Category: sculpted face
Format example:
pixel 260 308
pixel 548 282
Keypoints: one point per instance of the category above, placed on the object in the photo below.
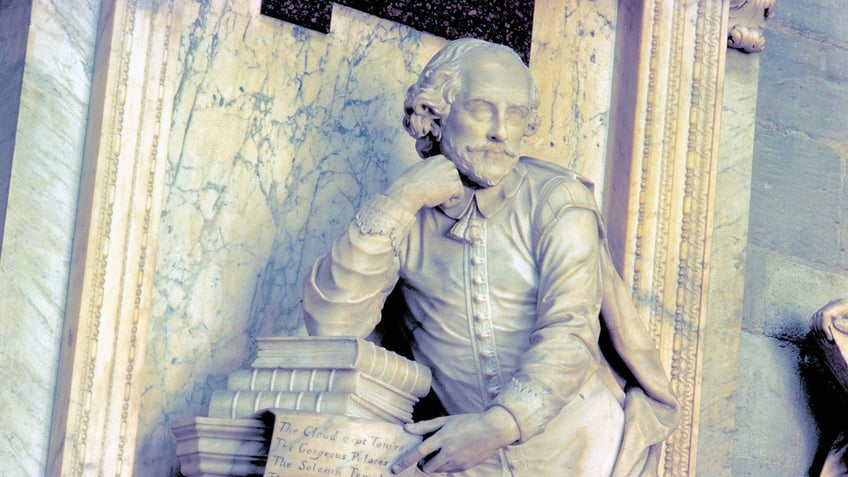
pixel 482 133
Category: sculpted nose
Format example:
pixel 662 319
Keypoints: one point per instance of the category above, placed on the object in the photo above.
pixel 497 130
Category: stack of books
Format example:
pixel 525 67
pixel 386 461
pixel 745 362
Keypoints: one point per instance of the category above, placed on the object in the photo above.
pixel 333 375
pixel 340 376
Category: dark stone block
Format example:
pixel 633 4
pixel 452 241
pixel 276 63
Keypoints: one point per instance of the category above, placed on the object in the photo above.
pixel 314 14
pixel 509 22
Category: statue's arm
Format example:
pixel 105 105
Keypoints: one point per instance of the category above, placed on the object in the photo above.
pixel 346 289
pixel 563 351
pixel 651 409
pixel 629 335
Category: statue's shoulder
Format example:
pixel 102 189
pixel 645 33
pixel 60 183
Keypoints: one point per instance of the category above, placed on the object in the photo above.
pixel 553 176
pixel 561 189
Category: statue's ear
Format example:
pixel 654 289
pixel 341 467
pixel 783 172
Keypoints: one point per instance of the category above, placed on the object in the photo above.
pixel 436 129
pixel 532 125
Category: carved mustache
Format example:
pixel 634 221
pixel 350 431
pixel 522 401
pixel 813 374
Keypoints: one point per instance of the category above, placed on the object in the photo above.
pixel 492 148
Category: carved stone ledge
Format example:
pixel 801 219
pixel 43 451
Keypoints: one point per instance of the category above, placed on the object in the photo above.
pixel 747 24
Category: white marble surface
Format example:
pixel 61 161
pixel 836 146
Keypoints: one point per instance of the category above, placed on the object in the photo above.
pixel 39 223
pixel 720 362
pixel 572 62
pixel 279 133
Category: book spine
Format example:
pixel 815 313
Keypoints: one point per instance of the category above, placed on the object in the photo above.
pixel 241 404
pixel 351 382
pixel 292 380
pixel 369 358
pixel 394 369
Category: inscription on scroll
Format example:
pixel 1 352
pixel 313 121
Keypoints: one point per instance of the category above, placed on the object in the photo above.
pixel 321 445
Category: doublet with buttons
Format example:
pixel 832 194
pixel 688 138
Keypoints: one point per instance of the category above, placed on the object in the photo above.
pixel 499 306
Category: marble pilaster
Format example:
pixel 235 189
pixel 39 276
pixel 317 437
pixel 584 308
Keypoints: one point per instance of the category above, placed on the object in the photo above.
pixel 46 71
pixel 660 200
pixel 719 372
pixel 106 317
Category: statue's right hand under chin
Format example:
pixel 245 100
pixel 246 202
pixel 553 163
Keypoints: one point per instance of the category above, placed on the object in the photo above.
pixel 428 183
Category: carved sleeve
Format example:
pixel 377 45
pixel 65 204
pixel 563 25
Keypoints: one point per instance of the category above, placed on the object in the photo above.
pixel 347 288
pixel 563 351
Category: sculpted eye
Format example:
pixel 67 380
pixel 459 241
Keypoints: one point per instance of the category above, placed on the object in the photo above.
pixel 516 115
pixel 479 109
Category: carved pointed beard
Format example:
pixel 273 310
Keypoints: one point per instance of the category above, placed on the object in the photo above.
pixel 484 164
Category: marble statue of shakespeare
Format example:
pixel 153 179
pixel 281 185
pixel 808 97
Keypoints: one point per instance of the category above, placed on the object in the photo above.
pixel 504 271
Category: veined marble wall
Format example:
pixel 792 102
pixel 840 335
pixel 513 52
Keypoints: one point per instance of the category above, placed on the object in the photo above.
pixel 279 133
pixel 53 85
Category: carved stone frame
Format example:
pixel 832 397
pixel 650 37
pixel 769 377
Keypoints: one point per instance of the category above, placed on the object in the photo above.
pixel 95 416
pixel 664 146
pixel 661 182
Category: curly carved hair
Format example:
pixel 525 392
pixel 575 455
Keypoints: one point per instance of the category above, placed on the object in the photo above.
pixel 428 101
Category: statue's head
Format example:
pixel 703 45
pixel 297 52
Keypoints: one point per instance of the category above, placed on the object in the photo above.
pixel 474 102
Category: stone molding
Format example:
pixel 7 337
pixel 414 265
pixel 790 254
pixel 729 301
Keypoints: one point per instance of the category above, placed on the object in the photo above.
pixel 104 339
pixel 661 181
pixel 747 24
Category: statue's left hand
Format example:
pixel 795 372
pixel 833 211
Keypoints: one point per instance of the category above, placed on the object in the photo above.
pixel 459 442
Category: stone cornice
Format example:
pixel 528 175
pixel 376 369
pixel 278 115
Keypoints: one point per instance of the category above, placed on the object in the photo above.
pixel 747 23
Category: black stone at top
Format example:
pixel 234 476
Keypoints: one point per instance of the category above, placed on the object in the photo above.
pixel 508 22
pixel 312 14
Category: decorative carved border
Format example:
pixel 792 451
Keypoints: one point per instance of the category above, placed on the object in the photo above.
pixel 701 156
pixel 97 397
pixel 670 133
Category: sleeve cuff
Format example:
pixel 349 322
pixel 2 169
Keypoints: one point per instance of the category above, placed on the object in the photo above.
pixel 526 402
pixel 382 216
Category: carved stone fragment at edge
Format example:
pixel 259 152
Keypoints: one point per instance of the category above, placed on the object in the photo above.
pixel 747 22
